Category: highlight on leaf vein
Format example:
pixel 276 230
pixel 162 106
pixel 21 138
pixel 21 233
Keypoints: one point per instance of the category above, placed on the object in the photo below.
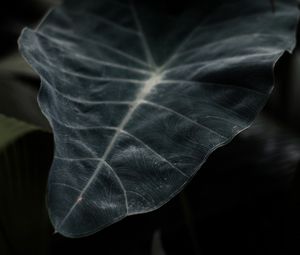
pixel 139 95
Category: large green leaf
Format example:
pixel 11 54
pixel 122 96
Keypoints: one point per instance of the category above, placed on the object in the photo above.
pixel 139 94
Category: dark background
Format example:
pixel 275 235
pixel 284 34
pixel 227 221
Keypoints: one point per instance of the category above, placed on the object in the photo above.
pixel 245 199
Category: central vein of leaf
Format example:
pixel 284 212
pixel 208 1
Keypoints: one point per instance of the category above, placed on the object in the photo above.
pixel 141 95
pixel 149 84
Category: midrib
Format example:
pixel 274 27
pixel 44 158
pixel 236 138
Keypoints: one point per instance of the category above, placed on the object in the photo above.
pixel 149 84
pixel 141 95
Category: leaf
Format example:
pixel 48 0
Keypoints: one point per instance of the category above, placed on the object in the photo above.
pixel 25 157
pixel 18 91
pixel 139 94
pixel 11 130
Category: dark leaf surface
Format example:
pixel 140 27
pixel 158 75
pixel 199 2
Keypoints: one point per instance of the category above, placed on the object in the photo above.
pixel 139 96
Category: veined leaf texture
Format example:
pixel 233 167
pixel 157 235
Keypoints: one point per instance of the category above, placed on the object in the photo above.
pixel 139 95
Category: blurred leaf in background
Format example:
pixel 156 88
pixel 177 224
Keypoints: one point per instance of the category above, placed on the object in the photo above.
pixel 18 83
pixel 25 149
pixel 25 157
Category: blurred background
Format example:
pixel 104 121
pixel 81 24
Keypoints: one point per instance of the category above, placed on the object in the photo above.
pixel 245 199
